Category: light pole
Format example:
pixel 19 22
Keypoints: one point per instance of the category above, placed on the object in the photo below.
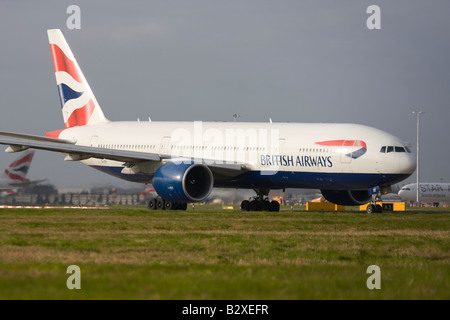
pixel 418 113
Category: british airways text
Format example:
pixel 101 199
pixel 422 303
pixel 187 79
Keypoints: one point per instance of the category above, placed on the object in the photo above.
pixel 298 161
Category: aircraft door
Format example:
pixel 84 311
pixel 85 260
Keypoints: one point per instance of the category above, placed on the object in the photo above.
pixel 278 151
pixel 94 141
pixel 164 147
pixel 280 146
pixel 346 150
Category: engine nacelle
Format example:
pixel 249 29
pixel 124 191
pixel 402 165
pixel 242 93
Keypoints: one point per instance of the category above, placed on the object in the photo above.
pixel 347 197
pixel 184 182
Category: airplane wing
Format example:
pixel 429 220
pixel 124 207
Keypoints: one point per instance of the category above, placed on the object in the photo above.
pixel 19 142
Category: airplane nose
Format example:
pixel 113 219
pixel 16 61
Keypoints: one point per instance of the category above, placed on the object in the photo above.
pixel 408 164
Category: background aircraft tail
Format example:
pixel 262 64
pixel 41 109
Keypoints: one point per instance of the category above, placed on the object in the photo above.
pixel 17 170
pixel 78 103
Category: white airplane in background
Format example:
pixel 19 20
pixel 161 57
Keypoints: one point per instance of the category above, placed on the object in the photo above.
pixel 185 160
pixel 428 192
pixel 14 176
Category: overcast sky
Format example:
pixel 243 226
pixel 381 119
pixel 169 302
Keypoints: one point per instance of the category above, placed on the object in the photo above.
pixel 296 61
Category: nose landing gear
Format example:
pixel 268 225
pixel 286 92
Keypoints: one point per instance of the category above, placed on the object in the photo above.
pixel 373 207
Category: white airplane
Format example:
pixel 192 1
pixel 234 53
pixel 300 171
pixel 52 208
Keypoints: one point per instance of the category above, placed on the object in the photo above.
pixel 428 192
pixel 185 160
pixel 14 176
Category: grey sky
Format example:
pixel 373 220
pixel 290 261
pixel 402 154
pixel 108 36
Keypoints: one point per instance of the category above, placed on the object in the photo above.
pixel 296 61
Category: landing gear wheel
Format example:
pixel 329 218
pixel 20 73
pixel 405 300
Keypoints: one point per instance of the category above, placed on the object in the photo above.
pixel 374 208
pixel 370 208
pixel 169 205
pixel 253 206
pixel 274 206
pixel 244 205
pixel 152 204
pixel 182 206
pixel 160 204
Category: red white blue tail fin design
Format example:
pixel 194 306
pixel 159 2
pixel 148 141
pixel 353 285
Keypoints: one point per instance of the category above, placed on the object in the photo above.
pixel 17 170
pixel 78 103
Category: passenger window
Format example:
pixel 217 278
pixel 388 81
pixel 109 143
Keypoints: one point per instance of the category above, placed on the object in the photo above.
pixel 383 149
pixel 390 149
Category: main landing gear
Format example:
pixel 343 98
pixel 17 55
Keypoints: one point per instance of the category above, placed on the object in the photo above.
pixel 161 204
pixel 261 202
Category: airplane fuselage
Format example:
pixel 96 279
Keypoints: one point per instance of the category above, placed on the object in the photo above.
pixel 428 192
pixel 278 155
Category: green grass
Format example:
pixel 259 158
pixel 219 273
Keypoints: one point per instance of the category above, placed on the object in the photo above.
pixel 210 253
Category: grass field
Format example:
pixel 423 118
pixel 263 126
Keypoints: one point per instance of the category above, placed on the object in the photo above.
pixel 210 253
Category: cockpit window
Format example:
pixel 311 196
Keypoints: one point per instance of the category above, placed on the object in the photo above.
pixel 387 149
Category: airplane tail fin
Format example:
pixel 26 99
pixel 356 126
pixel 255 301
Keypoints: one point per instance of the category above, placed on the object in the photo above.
pixel 78 103
pixel 18 169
